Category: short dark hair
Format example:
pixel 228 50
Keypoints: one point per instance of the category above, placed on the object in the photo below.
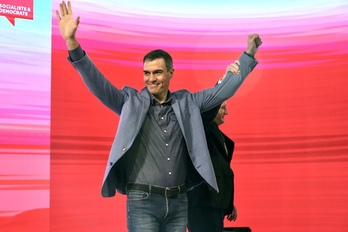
pixel 160 54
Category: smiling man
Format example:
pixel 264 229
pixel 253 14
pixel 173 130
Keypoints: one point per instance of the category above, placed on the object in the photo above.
pixel 158 71
pixel 160 141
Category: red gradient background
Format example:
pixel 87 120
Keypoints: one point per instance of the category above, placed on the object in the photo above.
pixel 289 125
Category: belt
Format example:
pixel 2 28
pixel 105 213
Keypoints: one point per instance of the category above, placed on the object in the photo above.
pixel 164 191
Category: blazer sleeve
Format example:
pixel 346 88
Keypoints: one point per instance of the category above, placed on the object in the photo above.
pixel 98 85
pixel 211 97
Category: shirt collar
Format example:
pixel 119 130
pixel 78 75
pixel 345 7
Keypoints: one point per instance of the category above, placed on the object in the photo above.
pixel 167 101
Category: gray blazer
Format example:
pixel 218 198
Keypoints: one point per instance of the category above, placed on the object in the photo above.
pixel 132 106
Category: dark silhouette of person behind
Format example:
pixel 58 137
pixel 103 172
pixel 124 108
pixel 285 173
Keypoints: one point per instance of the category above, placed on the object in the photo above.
pixel 208 209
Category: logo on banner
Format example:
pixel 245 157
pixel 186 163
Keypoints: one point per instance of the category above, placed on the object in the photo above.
pixel 12 9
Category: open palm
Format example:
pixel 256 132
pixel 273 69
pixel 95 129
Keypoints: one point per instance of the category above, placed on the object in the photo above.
pixel 67 24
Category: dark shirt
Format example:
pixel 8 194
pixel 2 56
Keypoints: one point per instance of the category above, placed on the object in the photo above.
pixel 158 155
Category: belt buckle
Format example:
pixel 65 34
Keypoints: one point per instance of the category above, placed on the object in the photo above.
pixel 171 192
pixel 166 190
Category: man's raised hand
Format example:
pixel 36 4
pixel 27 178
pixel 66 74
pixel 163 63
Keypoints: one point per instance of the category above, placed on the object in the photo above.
pixel 254 42
pixel 67 25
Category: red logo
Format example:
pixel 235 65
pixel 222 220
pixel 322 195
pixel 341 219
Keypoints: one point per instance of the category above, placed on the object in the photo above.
pixel 12 9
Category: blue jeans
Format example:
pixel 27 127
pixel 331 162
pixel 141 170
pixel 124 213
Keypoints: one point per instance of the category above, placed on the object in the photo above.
pixel 148 212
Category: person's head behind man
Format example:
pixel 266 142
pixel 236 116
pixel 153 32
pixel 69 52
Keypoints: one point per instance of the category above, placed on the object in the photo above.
pixel 158 70
pixel 220 116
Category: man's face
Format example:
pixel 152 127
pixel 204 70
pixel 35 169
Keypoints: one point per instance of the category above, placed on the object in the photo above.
pixel 220 116
pixel 157 78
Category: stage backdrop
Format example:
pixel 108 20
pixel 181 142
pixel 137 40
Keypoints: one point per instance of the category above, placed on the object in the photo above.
pixel 289 119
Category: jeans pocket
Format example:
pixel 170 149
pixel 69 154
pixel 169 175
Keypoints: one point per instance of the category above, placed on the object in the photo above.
pixel 183 197
pixel 134 195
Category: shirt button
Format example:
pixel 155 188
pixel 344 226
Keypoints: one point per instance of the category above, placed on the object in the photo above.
pixel 165 131
pixel 170 173
pixel 167 145
pixel 168 158
pixel 162 118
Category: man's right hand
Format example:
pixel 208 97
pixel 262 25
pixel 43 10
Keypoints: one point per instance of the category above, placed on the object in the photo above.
pixel 67 25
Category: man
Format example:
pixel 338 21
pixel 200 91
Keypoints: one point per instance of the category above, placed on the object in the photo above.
pixel 207 209
pixel 160 133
